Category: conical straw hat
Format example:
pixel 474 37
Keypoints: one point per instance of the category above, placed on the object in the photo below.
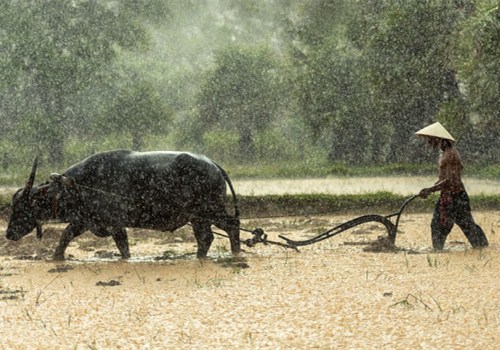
pixel 435 130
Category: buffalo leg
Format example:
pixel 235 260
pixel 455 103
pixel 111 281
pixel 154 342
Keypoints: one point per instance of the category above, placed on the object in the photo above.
pixel 71 231
pixel 121 240
pixel 204 237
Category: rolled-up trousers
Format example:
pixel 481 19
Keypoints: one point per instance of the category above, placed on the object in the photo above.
pixel 454 208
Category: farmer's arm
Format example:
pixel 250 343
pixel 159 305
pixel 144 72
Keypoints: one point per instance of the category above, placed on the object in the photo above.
pixel 450 168
pixel 438 186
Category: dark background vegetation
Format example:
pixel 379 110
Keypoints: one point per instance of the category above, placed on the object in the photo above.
pixel 308 84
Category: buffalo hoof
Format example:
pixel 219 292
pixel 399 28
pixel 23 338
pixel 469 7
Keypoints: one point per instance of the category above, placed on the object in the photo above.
pixel 58 257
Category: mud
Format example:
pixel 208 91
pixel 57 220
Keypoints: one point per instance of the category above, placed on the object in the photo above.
pixel 333 294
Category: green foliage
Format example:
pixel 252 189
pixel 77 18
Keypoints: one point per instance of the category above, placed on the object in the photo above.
pixel 273 148
pixel 478 52
pixel 138 110
pixel 272 145
pixel 79 149
pixel 238 95
pixel 492 171
pixel 345 83
pixel 329 87
pixel 337 109
pixel 54 49
pixel 153 10
pixel 316 167
pixel 383 203
pixel 478 63
pixel 314 204
pixel 221 144
pixel 486 202
pixel 408 65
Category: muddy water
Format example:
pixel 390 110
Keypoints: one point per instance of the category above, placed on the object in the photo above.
pixel 356 185
pixel 330 295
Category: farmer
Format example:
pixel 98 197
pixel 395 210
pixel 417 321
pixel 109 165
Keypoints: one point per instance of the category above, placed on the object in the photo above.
pixel 453 204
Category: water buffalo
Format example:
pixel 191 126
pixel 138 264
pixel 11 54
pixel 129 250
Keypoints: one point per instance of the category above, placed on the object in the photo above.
pixel 110 191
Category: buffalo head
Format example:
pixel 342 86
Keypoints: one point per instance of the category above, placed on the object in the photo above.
pixel 25 211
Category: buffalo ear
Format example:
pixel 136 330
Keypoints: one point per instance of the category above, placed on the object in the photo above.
pixel 55 177
pixel 68 181
pixel 62 179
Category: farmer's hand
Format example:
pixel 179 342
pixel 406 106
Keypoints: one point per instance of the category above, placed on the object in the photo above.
pixel 424 193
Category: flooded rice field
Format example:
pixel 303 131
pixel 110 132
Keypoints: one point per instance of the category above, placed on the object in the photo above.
pixel 403 185
pixel 331 295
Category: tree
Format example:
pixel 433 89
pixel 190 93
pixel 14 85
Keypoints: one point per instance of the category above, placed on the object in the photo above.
pixel 339 109
pixel 334 102
pixel 138 110
pixel 477 57
pixel 409 66
pixel 54 49
pixel 238 95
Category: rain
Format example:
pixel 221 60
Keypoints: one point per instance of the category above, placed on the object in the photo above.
pixel 266 81
pixel 311 107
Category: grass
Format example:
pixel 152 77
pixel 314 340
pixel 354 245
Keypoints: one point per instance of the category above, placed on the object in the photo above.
pixel 411 301
pixel 317 204
pixel 304 169
pixel 436 261
pixel 443 313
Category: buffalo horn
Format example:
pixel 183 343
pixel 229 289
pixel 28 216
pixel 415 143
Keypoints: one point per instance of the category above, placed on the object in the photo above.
pixel 31 180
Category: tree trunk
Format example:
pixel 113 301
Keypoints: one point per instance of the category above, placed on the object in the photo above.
pixel 246 144
pixel 137 141
pixel 56 151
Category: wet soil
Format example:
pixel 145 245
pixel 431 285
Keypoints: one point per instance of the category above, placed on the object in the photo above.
pixel 338 293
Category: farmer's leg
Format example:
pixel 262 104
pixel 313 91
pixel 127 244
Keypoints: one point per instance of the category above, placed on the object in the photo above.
pixel 441 225
pixel 465 221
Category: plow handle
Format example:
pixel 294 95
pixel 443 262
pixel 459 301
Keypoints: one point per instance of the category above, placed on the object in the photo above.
pixel 398 213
